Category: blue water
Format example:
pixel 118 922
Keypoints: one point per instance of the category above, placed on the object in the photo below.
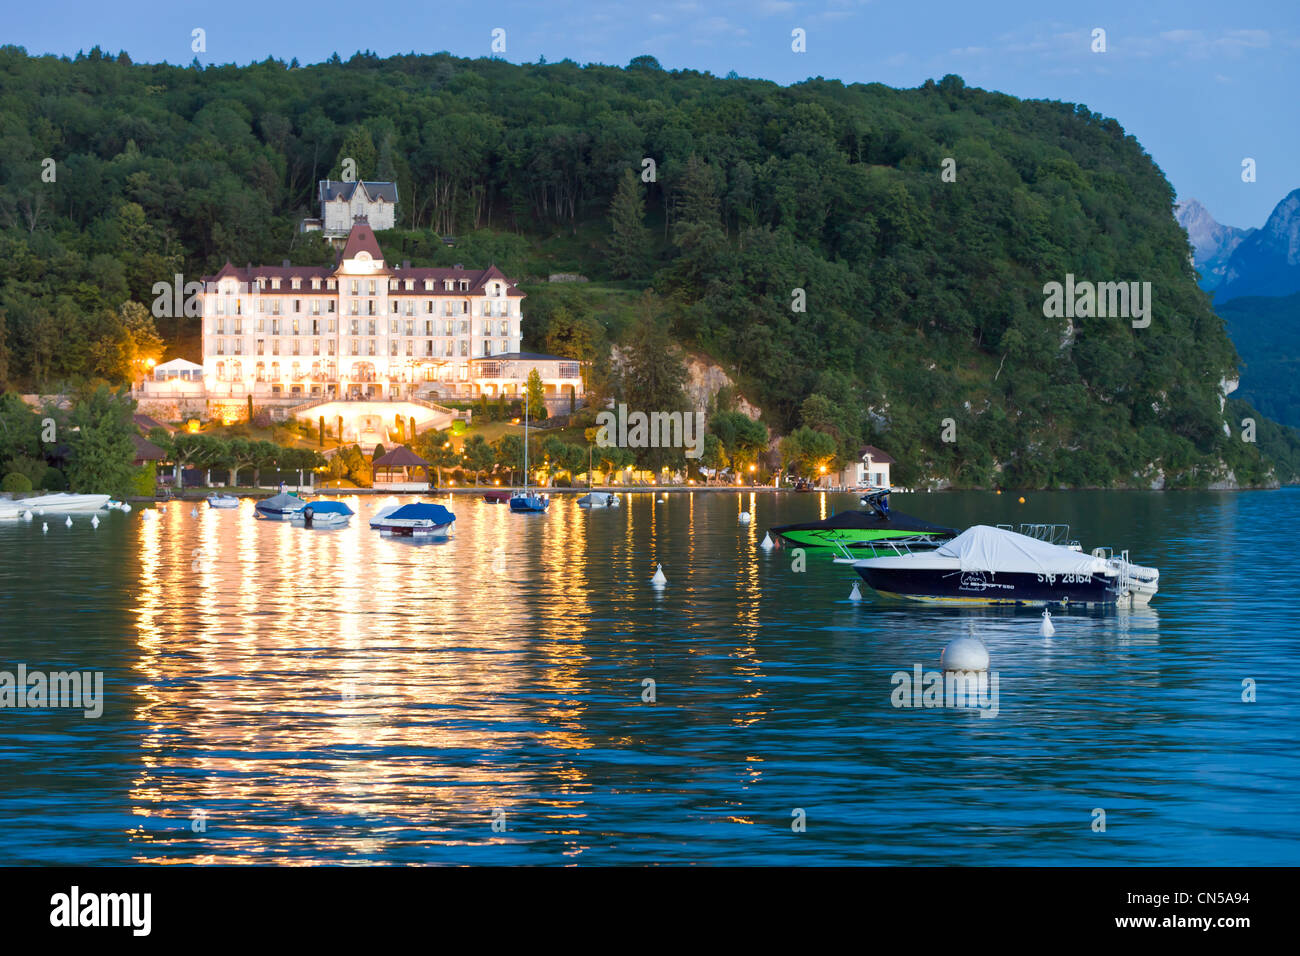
pixel 283 695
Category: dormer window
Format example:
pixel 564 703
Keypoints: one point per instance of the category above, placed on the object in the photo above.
pixel 410 285
pixel 315 283
pixel 297 283
pixel 275 283
pixel 428 285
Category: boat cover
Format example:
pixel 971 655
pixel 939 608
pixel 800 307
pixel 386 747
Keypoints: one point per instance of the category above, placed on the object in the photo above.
pixel 982 548
pixel 281 502
pixel 325 507
pixel 422 511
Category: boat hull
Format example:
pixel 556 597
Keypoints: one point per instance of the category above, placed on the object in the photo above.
pixel 954 586
pixel 850 537
pixel 57 504
pixel 413 530
pixel 527 503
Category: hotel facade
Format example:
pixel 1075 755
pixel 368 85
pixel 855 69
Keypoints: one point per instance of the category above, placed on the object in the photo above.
pixel 362 329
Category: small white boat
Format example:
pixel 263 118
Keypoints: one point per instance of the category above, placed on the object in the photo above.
pixel 54 504
pixel 222 501
pixel 323 513
pixel 419 520
pixel 279 507
pixel 599 499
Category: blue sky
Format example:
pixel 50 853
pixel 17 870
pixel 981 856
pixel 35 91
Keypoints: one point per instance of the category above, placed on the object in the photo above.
pixel 1201 84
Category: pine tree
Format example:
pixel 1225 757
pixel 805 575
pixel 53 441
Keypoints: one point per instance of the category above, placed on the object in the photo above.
pixel 629 243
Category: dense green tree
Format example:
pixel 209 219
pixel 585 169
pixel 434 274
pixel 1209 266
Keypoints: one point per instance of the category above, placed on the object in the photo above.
pixel 629 241
pixel 101 456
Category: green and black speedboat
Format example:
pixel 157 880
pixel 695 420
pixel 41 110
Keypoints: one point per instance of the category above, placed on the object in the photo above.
pixel 870 529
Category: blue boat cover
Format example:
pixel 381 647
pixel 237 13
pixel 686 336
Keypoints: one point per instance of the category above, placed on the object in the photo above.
pixel 422 510
pixel 326 507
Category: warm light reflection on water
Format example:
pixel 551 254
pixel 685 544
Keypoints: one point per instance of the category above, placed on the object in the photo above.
pixel 301 695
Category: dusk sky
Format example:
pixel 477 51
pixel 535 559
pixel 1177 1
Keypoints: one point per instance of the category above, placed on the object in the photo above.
pixel 1201 85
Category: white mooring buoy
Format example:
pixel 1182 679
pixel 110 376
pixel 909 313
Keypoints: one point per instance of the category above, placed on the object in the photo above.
pixel 856 593
pixel 194 512
pixel 125 506
pixel 45 527
pixel 965 654
pixel 1047 628
pixel 744 517
pixel 766 544
pixel 147 515
pixel 659 580
pixel 94 521
pixel 68 521
pixel 27 516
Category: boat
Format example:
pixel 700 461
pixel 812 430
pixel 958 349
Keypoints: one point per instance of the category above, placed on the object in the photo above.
pixel 419 520
pixel 53 504
pixel 496 497
pixel 524 502
pixel 323 513
pixel 281 507
pixel 222 501
pixel 864 529
pixel 987 565
pixel 599 499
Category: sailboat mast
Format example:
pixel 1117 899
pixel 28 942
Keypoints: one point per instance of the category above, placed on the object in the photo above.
pixel 525 443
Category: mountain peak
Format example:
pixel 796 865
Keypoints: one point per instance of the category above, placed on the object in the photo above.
pixel 1267 262
pixel 1212 241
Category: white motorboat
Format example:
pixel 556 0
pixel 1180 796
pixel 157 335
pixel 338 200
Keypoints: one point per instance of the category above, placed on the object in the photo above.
pixel 53 505
pixel 421 519
pixel 279 507
pixel 599 499
pixel 222 501
pixel 984 565
pixel 323 513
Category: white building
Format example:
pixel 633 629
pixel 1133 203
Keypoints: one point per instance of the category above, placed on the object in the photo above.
pixel 364 329
pixel 870 470
pixel 343 204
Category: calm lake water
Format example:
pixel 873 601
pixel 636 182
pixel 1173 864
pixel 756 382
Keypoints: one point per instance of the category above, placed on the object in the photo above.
pixel 321 696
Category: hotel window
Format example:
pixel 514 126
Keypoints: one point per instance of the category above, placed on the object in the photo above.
pixel 568 370
pixel 428 285
pixel 297 305
pixel 260 346
pixel 355 307
pixel 392 306
pixel 410 348
pixel 295 346
pixel 275 306
pixel 448 351
pixel 331 307
pixel 487 347
pixel 275 326
pixel 487 328
pixel 410 284
pixel 504 327
pixel 410 308
pixel 372 327
pixel 261 282
pixel 331 347
pixel 464 327
pixel 356 327
pixel 372 286
pixel 259 373
pixel 410 327
pixel 275 371
pixel 392 327
pixel 275 283
pixel 356 285
pixel 429 373
pixel 447 284
pixel 221 326
pixel 428 327
pixel 297 283
pixel 315 283
pixel 392 350
pixel 331 326
pixel 221 306
pixel 464 349
pixel 370 307
pixel 315 326
pixel 239 346
pixel 329 284
pixel 261 305
pixel 315 347
pixel 295 327
pixel 503 347
pixel 464 285
pixel 221 346
pixel 275 346
pixel 356 347
pixel 370 346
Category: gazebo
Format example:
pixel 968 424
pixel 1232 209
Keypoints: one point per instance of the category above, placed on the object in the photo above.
pixel 405 459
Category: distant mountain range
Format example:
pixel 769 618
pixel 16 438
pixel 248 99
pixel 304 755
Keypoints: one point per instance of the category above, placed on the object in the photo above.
pixel 1245 262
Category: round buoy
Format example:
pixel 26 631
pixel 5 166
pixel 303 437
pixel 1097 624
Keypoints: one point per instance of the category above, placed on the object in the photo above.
pixel 45 528
pixel 659 580
pixel 965 654
pixel 766 544
pixel 662 501
pixel 68 521
pixel 1047 628
pixel 744 517
pixel 94 522
pixel 27 516
pixel 856 593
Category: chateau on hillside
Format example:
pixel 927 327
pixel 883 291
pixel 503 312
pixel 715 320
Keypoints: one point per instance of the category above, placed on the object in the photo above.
pixel 343 204
pixel 290 335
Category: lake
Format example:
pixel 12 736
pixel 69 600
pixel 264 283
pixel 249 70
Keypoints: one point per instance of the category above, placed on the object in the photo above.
pixel 274 694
